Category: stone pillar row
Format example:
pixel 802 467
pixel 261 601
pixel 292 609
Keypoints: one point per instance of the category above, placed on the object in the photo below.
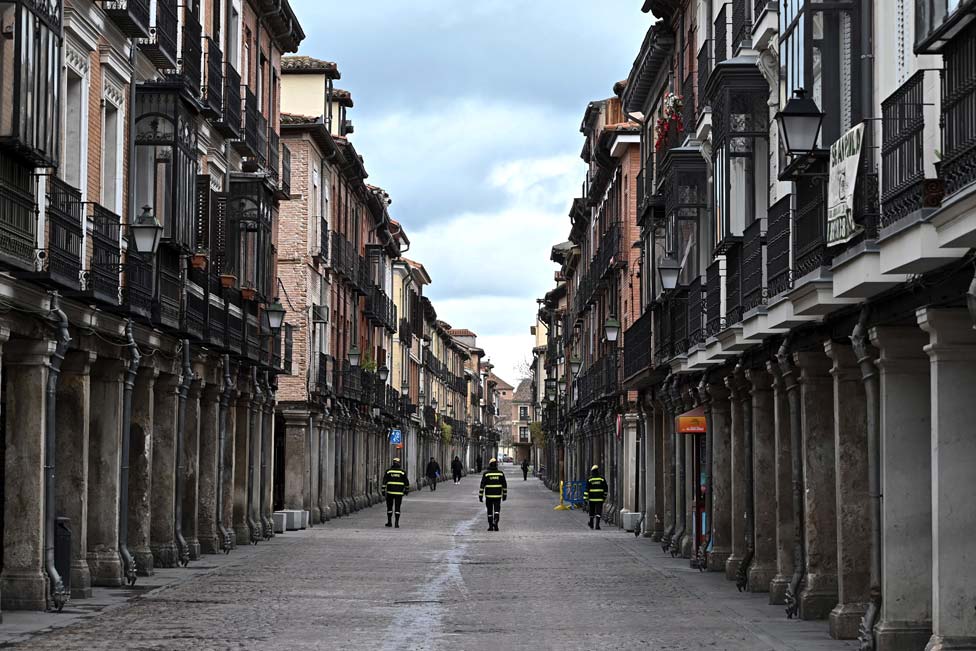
pixel 926 413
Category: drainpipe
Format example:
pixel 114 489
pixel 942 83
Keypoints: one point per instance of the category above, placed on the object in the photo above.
pixel 709 446
pixel 186 378
pixel 742 576
pixel 678 459
pixel 128 562
pixel 871 394
pixel 59 595
pixel 796 452
pixel 255 527
pixel 669 426
pixel 225 396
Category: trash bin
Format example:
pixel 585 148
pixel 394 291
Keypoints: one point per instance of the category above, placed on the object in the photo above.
pixel 62 550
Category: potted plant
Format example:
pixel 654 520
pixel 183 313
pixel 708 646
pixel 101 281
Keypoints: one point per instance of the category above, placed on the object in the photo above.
pixel 199 260
pixel 248 293
pixel 228 281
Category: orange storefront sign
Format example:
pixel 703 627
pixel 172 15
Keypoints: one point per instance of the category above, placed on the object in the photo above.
pixel 692 422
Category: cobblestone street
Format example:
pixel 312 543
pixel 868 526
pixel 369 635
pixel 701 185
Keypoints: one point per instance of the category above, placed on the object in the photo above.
pixel 442 581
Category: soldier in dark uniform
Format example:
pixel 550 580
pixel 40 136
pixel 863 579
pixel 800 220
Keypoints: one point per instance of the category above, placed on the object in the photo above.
pixel 595 494
pixel 494 491
pixel 395 486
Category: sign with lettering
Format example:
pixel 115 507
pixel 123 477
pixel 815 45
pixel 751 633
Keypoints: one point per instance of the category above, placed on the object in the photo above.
pixel 845 160
pixel 691 422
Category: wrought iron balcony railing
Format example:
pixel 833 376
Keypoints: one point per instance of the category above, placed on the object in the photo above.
pixel 704 70
pixel 779 275
pixel 696 313
pixel 160 46
pixel 810 224
pixel 213 81
pixel 18 214
pixel 194 310
pixel 733 283
pixel 251 348
pixel 320 249
pixel 137 290
pixel 637 346
pixel 325 374
pixel 102 278
pixel 902 150
pixel 741 23
pixel 191 53
pixel 230 121
pixel 753 287
pixel 250 142
pixel 261 148
pixel 958 168
pixel 62 258
pixel 720 40
pixel 609 253
pixel 285 184
pixel 235 322
pixel 216 329
pixel 380 309
pixel 274 143
pixel 713 300
pixel 130 16
pixel 167 307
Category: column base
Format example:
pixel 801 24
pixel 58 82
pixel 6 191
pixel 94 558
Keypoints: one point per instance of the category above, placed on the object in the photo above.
pixel 23 590
pixel 210 543
pixel 732 564
pixel 144 561
pixel 760 576
pixel 81 587
pixel 106 568
pixel 242 534
pixel 818 597
pixel 717 560
pixel 316 515
pixel 943 643
pixel 902 636
pixel 165 555
pixel 193 545
pixel 777 590
pixel 686 546
pixel 845 620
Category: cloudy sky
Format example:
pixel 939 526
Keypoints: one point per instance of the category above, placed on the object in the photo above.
pixel 467 112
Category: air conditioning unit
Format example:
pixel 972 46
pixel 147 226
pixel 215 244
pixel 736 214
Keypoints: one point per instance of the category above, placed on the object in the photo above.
pixel 320 314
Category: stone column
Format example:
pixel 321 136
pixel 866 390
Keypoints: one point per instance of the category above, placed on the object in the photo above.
pixel 737 484
pixel 906 535
pixel 314 467
pixel 23 581
pixel 853 499
pixel 141 470
pixel 952 353
pixel 104 452
pixel 328 468
pixel 71 480
pixel 650 474
pixel 243 466
pixel 720 429
pixel 819 593
pixel 267 459
pixel 229 470
pixel 337 428
pixel 296 434
pixel 208 530
pixel 763 567
pixel 162 535
pixel 255 415
pixel 668 469
pixel 783 480
pixel 191 466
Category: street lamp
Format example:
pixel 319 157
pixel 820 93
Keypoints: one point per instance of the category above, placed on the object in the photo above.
pixel 433 403
pixel 575 364
pixel 146 231
pixel 799 124
pixel 405 389
pixel 274 315
pixel 383 372
pixel 668 270
pixel 611 329
pixel 551 388
pixel 354 355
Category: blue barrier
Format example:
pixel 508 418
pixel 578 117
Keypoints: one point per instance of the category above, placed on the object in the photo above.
pixel 573 492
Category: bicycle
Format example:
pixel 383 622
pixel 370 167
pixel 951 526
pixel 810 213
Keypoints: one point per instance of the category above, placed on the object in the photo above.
pixel 639 527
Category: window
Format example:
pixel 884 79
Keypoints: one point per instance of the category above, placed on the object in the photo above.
pixel 523 412
pixel 523 434
pixel 73 163
pixel 110 158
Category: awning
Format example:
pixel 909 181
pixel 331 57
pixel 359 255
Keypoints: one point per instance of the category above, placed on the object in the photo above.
pixel 691 422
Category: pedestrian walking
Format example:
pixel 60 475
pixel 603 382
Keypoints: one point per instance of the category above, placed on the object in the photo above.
pixel 456 469
pixel 478 461
pixel 595 494
pixel 395 486
pixel 525 469
pixel 433 472
pixel 494 491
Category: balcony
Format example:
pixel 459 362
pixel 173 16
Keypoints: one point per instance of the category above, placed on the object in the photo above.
pixel 18 214
pixel 733 284
pixel 753 287
pixel 195 309
pixel 62 257
pixel 250 142
pixel 696 313
pixel 137 288
pixel 741 24
pixel 380 309
pixel 229 123
pixel 810 224
pixel 273 157
pixel 167 307
pixel 130 16
pixel 704 69
pixel 325 374
pixel 234 337
pixel 191 53
pixel 779 276
pixel 102 278
pixel 213 79
pixel 216 329
pixel 251 346
pixel 284 185
pixel 638 346
pixel 715 322
pixel 351 386
pixel 261 143
pixel 609 254
pixel 720 40
pixel 160 46
pixel 959 112
pixel 320 249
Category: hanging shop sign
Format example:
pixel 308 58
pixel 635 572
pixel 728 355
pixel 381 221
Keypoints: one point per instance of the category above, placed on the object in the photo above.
pixel 691 422
pixel 845 160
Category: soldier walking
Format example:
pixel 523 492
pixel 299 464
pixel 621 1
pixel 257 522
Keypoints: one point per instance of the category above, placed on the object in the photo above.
pixel 595 494
pixel 494 491
pixel 395 486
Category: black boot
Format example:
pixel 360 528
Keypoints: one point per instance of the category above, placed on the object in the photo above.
pixel 389 518
pixel 590 523
pixel 397 525
pixel 496 522
pixel 597 523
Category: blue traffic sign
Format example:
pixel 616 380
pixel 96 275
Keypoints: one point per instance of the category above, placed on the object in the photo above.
pixel 396 437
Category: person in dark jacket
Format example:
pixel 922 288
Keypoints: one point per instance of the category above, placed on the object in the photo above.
pixel 494 491
pixel 525 469
pixel 456 469
pixel 595 494
pixel 433 472
pixel 395 486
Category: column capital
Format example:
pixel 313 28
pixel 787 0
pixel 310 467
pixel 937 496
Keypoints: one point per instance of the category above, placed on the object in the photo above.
pixel 78 362
pixel 899 346
pixel 813 366
pixel 167 383
pixel 29 352
pixel 759 378
pixel 772 367
pixel 295 417
pixel 950 331
pixel 717 390
pixel 844 365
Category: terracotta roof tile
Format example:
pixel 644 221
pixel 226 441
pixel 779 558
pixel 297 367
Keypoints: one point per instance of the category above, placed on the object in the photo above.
pixel 307 64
